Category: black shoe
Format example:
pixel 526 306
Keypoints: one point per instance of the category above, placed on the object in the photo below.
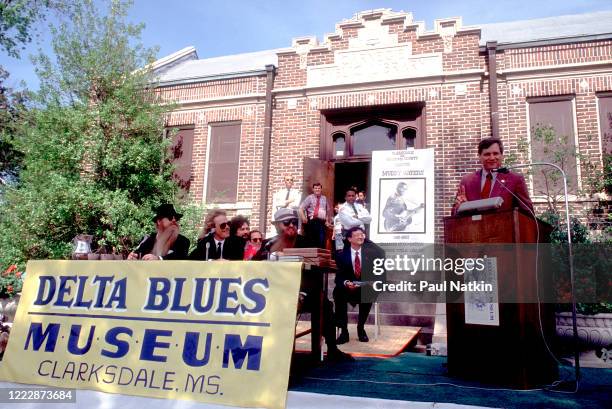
pixel 361 334
pixel 335 355
pixel 343 338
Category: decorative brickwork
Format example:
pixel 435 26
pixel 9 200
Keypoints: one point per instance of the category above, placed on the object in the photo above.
pixel 455 100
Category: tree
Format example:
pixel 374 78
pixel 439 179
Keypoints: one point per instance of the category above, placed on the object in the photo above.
pixel 17 19
pixel 11 113
pixel 95 159
pixel 17 25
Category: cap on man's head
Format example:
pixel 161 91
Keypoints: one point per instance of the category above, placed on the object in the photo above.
pixel 166 210
pixel 285 214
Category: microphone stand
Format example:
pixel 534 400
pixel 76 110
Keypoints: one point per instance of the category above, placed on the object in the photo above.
pixel 570 253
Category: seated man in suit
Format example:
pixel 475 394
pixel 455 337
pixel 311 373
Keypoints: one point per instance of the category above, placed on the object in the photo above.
pixel 166 243
pixel 286 221
pixel 483 183
pixel 355 266
pixel 215 242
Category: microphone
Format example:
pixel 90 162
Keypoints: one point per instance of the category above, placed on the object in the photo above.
pixel 207 247
pixel 503 169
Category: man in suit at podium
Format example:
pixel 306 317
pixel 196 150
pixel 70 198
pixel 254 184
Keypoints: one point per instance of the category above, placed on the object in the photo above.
pixel 355 270
pixel 484 183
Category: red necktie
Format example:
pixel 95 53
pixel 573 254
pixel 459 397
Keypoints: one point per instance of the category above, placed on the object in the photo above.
pixel 315 215
pixel 486 189
pixel 357 266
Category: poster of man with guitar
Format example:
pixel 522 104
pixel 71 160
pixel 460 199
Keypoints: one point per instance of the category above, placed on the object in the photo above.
pixel 400 212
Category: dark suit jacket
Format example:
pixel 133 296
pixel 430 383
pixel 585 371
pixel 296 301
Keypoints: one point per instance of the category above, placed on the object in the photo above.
pixel 369 252
pixel 233 249
pixel 178 251
pixel 512 181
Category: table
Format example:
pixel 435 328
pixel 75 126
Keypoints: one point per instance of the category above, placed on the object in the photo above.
pixel 315 280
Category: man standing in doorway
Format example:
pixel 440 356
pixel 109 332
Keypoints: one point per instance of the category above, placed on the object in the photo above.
pixel 352 214
pixel 315 213
pixel 361 199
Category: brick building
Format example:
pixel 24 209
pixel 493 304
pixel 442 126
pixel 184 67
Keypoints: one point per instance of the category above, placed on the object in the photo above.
pixel 384 81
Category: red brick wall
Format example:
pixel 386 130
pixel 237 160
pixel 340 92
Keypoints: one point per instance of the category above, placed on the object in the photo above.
pixel 559 54
pixel 214 89
pixel 453 123
pixel 251 116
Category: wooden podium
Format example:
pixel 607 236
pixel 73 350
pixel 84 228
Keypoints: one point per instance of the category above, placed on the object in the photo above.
pixel 512 353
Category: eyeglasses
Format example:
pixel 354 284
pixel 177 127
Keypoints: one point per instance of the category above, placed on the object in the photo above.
pixel 256 239
pixel 290 221
pixel 288 180
pixel 223 225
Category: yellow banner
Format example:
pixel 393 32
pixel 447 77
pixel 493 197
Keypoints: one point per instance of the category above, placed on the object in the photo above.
pixel 218 332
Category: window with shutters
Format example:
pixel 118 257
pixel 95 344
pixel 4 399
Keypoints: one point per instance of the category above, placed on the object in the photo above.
pixel 553 139
pixel 223 160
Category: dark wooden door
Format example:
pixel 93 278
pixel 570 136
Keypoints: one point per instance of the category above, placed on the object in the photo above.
pixel 322 171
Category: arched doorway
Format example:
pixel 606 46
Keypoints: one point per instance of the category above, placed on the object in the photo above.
pixel 349 136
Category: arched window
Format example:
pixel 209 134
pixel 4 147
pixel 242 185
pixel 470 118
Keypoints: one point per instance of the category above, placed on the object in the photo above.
pixel 373 137
pixel 339 145
pixel 409 135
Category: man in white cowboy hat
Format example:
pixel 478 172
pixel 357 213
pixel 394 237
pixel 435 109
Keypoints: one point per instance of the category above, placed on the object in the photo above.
pixel 166 243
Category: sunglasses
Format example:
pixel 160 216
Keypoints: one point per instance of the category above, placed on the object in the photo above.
pixel 256 239
pixel 223 225
pixel 290 221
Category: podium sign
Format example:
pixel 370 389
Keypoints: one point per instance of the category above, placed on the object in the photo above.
pixel 512 353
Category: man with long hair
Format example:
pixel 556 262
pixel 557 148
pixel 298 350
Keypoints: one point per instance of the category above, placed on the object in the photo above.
pixel 215 242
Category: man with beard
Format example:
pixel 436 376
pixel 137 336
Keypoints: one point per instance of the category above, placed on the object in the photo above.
pixel 166 243
pixel 286 221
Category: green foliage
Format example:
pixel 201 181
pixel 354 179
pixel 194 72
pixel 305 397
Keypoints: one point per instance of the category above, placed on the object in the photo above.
pixel 521 152
pixel 17 19
pixel 592 309
pixel 192 221
pixel 95 160
pixel 579 232
pixel 12 109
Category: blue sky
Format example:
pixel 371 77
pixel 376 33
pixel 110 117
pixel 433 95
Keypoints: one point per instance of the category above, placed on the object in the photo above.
pixel 223 27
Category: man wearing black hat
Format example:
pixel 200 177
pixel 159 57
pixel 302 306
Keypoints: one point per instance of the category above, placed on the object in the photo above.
pixel 166 243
